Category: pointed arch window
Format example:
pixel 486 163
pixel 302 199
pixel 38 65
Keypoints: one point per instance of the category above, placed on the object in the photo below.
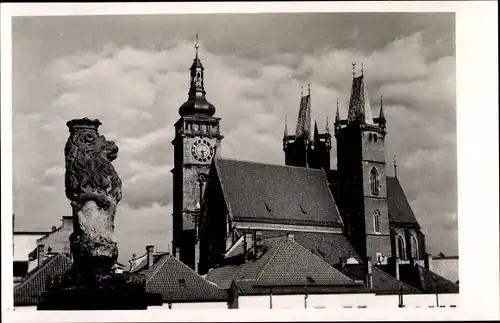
pixel 401 248
pixel 414 247
pixel 374 181
pixel 376 221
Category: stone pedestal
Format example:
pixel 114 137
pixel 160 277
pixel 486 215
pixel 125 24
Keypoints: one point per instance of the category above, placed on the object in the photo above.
pixel 97 291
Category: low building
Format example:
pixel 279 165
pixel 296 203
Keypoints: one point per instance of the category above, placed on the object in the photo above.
pixel 446 266
pixel 27 294
pixel 179 285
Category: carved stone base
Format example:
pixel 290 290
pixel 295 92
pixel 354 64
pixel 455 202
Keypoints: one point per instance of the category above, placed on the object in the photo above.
pixel 97 291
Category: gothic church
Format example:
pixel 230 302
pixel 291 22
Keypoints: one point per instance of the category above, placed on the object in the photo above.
pixel 355 212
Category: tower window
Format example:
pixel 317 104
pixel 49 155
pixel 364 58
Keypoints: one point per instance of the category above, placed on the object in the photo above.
pixel 374 181
pixel 375 137
pixel 401 248
pixel 414 247
pixel 376 221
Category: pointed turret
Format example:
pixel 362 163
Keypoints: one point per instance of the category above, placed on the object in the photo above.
pixel 316 131
pixel 381 116
pixel 337 114
pixel 359 104
pixel 285 134
pixel 327 127
pixel 197 102
pixel 304 120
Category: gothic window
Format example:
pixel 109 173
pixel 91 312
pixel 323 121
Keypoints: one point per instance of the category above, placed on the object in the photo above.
pixel 414 247
pixel 374 181
pixel 401 248
pixel 376 221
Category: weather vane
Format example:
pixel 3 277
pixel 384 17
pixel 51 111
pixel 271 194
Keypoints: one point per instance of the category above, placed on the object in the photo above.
pixel 353 70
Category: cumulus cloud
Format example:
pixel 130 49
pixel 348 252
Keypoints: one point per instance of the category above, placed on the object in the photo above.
pixel 136 93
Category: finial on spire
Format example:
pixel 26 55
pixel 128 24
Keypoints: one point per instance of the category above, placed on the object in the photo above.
pixel 302 90
pixel 327 128
pixel 395 167
pixel 362 69
pixel 381 100
pixel 196 45
pixel 353 70
pixel 337 115
pixel 309 88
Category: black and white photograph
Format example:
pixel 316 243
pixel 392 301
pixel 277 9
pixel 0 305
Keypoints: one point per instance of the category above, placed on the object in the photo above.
pixel 226 161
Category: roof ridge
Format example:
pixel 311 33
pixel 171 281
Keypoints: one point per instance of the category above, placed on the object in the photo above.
pixel 281 243
pixel 159 267
pixel 37 270
pixel 323 261
pixel 267 164
pixel 224 193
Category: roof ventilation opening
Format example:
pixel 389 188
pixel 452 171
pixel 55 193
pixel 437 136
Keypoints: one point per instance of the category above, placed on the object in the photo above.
pixel 182 282
pixel 302 209
pixel 268 208
pixel 310 280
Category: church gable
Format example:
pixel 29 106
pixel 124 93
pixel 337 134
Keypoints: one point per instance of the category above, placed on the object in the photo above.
pixel 400 212
pixel 276 194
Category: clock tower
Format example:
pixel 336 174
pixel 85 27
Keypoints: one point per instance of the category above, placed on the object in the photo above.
pixel 197 140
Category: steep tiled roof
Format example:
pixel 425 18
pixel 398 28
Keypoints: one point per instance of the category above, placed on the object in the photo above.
pixel 28 292
pixel 279 262
pixel 328 246
pixel 399 209
pixel 382 282
pixel 178 283
pixel 359 104
pixel 277 194
pixel 425 280
pixel 305 119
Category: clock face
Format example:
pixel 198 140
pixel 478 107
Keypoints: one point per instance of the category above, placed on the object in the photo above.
pixel 202 150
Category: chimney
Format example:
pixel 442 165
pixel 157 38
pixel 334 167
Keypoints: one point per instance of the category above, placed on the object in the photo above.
pixel 40 253
pixel 290 236
pixel 341 262
pixel 67 222
pixel 150 252
pixel 368 273
pixel 53 228
pixel 396 269
pixel 427 260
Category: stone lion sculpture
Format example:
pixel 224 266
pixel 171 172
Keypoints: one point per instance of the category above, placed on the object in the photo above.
pixel 94 189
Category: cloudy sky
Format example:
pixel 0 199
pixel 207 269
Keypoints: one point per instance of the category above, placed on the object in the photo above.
pixel 131 72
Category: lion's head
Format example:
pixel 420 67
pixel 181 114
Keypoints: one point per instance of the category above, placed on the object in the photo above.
pixel 88 162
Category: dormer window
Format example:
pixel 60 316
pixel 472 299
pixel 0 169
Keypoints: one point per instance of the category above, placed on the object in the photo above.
pixel 374 181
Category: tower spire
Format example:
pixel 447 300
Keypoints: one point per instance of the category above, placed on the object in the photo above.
pixel 327 128
pixel 362 69
pixel 337 114
pixel 301 90
pixel 381 116
pixel 309 88
pixel 353 70
pixel 197 102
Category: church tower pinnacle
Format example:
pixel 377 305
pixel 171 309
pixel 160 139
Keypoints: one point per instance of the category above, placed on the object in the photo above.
pixel 307 148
